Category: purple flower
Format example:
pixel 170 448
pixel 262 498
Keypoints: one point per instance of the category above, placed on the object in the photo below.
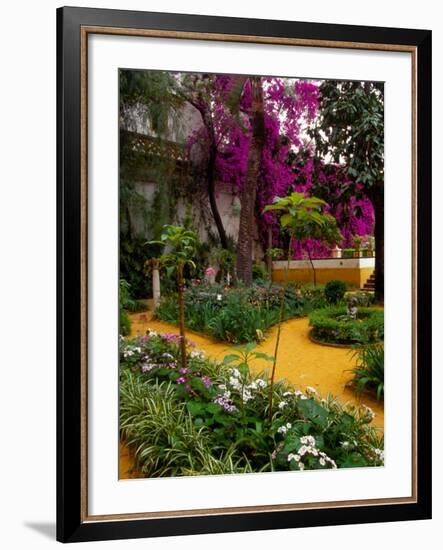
pixel 183 370
pixel 147 367
pixel 170 337
pixel 181 380
pixel 225 402
pixel 207 382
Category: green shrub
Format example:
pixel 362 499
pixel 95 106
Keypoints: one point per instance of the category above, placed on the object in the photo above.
pixel 335 291
pixel 212 418
pixel 133 255
pixel 125 323
pixel 332 325
pixel 369 373
pixel 239 314
pixel 364 298
pixel 126 302
pixel 259 271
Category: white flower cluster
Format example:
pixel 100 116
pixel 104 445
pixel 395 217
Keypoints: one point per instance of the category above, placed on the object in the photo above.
pixel 147 367
pixel 380 454
pixel 129 352
pixel 311 390
pixel 309 448
pixel 246 391
pixel 282 404
pixel 258 384
pixel 283 429
pixel 197 354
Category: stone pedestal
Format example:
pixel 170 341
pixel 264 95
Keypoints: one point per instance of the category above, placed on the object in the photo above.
pixel 155 284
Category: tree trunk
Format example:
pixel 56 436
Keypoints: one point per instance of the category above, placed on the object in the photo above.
pixel 313 268
pixel 268 255
pixel 377 199
pixel 280 321
pixel 181 313
pixel 248 195
pixel 210 178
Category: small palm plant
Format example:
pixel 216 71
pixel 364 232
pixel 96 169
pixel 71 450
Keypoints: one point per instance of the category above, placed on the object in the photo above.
pixel 302 218
pixel 369 372
pixel 180 246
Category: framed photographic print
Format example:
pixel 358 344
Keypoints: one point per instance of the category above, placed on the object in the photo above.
pixel 243 224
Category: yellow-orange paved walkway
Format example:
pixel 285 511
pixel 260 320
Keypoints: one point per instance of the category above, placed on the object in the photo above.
pixel 300 360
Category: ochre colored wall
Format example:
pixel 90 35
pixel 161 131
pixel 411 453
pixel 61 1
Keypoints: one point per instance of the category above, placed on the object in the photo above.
pixel 354 276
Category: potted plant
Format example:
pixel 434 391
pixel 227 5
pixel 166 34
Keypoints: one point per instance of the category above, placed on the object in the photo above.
pixel 357 244
pixel 371 246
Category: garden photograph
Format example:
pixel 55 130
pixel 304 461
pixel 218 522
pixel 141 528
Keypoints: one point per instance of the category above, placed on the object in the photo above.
pixel 251 274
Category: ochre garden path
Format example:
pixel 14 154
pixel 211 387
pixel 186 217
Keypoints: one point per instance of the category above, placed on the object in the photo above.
pixel 300 361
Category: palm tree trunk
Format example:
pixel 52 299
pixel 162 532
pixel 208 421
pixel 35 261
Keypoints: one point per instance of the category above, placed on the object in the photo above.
pixel 248 195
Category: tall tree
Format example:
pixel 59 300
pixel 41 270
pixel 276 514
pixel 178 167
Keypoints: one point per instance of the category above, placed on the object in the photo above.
pixel 181 245
pixel 351 129
pixel 301 217
pixel 200 91
pixel 249 192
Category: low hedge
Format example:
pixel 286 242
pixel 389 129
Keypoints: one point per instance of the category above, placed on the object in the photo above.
pixel 239 315
pixel 332 325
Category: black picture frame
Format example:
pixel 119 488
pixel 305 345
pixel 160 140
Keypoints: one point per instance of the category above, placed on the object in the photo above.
pixel 72 526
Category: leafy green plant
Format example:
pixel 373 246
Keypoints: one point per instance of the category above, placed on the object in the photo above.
pixel 332 325
pixel 369 372
pixel 348 253
pixel 335 291
pixel 302 218
pixel 125 322
pixel 259 272
pixel 181 243
pixel 133 257
pixel 126 302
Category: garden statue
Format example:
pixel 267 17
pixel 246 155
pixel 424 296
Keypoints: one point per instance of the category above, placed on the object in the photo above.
pixel 352 309
pixel 210 274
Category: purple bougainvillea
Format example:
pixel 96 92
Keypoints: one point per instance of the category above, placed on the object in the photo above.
pixel 288 161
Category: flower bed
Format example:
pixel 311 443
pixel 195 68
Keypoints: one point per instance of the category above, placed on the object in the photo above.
pixel 239 315
pixel 212 418
pixel 333 325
